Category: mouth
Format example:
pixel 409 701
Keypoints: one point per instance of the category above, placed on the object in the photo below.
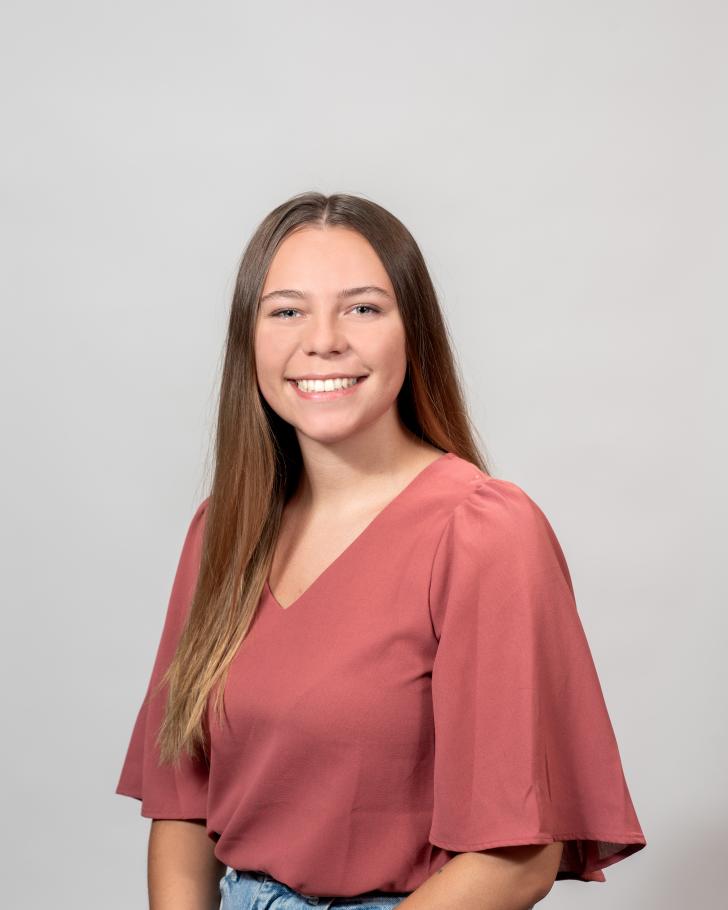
pixel 319 377
pixel 325 389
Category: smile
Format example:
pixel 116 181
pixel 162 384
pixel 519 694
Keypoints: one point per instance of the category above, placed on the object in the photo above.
pixel 326 389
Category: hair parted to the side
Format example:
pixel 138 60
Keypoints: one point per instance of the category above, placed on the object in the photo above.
pixel 257 460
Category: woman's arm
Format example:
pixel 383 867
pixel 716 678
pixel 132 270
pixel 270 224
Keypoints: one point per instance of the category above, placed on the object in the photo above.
pixel 182 870
pixel 505 878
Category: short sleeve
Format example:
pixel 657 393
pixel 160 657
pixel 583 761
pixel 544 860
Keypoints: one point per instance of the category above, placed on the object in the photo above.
pixel 525 752
pixel 167 791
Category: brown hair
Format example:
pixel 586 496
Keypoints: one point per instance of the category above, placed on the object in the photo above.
pixel 257 460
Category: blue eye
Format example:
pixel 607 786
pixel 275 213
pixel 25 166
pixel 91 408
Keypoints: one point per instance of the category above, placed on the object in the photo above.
pixel 358 306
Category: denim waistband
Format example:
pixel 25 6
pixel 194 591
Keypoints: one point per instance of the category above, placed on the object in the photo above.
pixel 267 877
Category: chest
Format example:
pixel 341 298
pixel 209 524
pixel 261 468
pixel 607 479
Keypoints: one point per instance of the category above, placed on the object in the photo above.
pixel 352 653
pixel 307 548
pixel 350 658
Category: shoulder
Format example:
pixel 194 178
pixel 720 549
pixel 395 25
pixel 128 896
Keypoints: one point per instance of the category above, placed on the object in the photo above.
pixel 200 514
pixel 188 569
pixel 494 543
pixel 195 529
pixel 472 501
pixel 189 560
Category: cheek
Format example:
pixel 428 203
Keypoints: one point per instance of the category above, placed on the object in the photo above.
pixel 391 357
pixel 268 359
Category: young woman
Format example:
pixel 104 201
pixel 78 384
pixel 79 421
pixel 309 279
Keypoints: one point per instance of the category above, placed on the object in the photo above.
pixel 411 712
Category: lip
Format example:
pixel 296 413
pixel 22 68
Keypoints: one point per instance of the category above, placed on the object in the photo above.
pixel 327 376
pixel 334 395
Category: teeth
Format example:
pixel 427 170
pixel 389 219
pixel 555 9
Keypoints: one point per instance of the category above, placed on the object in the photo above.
pixel 325 385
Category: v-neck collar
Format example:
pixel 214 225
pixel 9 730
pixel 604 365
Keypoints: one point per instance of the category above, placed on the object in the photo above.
pixel 395 501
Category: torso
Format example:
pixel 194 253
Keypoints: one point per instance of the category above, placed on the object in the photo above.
pixel 307 545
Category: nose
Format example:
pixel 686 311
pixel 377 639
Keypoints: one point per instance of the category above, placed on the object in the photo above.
pixel 324 335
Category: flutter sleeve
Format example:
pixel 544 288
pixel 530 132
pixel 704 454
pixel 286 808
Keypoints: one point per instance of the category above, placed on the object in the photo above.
pixel 167 791
pixel 525 752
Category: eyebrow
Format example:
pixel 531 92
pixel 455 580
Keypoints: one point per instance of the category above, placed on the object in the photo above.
pixel 347 292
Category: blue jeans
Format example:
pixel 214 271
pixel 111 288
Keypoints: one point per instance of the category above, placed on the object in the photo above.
pixel 244 890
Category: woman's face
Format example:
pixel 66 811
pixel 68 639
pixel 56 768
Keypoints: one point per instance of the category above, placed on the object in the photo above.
pixel 322 326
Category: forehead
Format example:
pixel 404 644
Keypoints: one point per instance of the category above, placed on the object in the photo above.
pixel 324 261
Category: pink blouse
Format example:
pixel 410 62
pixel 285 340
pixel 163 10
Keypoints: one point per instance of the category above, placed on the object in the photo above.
pixel 432 692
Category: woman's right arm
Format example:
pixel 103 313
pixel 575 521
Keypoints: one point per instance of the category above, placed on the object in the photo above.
pixel 183 872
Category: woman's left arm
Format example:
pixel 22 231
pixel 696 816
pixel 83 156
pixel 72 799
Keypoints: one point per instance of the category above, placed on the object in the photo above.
pixel 505 878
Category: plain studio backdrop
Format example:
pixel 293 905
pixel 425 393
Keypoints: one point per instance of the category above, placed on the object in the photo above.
pixel 562 166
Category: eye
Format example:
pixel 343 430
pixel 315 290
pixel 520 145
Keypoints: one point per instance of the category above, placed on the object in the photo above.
pixel 359 306
pixel 366 306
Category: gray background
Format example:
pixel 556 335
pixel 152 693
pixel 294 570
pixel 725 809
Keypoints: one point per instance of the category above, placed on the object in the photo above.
pixel 562 167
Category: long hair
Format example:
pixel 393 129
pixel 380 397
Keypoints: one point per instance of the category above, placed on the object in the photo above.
pixel 257 459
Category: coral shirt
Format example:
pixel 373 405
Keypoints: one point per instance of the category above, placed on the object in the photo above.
pixel 431 693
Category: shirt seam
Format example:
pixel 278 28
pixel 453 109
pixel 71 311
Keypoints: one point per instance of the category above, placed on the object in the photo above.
pixel 476 483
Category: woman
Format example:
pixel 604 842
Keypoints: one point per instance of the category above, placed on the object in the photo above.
pixel 411 712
